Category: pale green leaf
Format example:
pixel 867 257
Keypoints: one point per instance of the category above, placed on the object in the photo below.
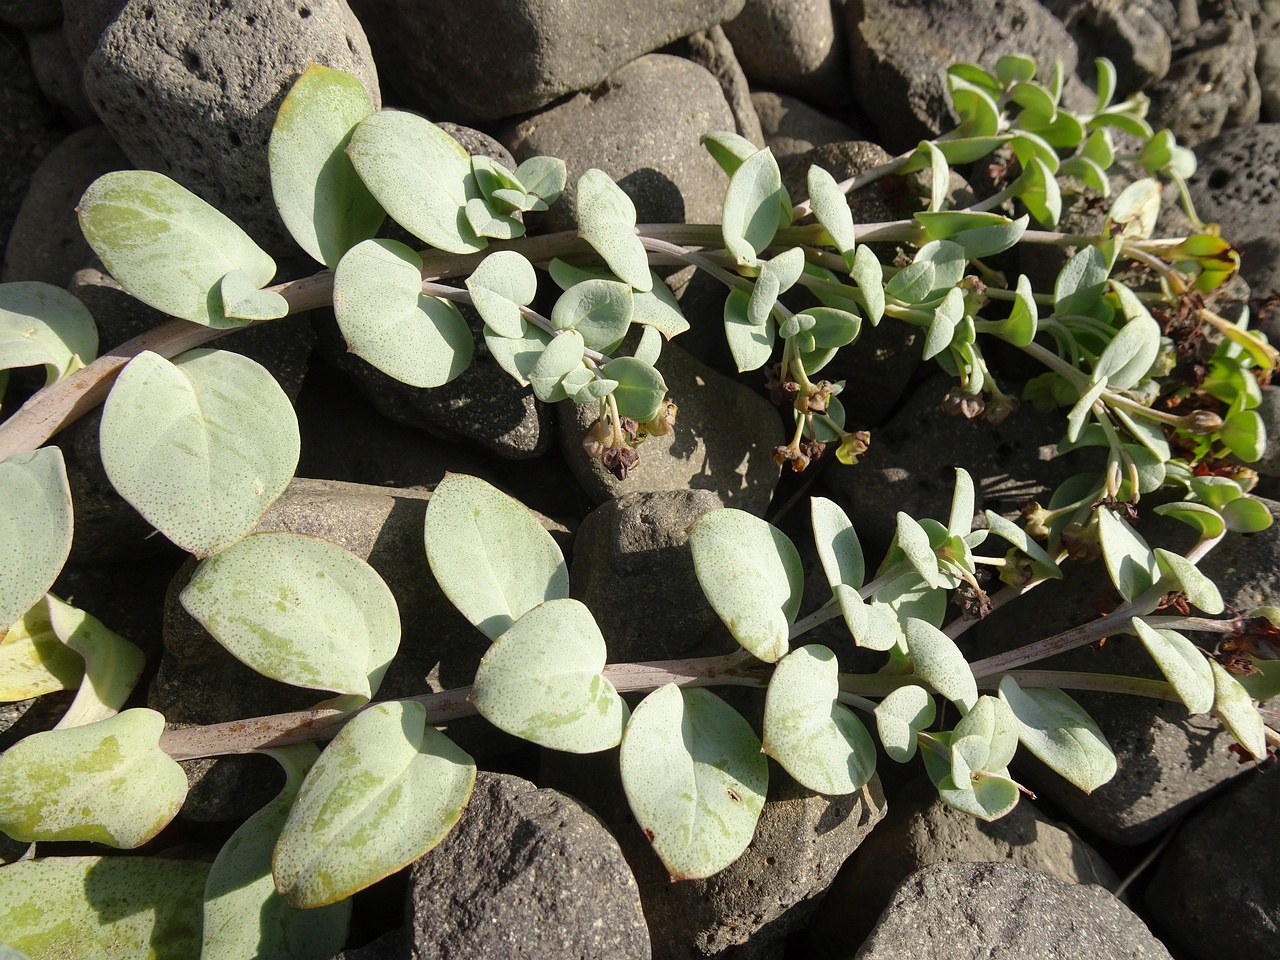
pixel 939 663
pixel 900 716
pixel 1246 515
pixel 984 797
pixel 1182 664
pixel 751 344
pixel 33 661
pixel 1130 562
pixel 1060 734
pixel 1079 414
pixel 695 779
pixel 1012 533
pixel 201 445
pixel 1040 193
pixel 837 543
pixel 1204 519
pixel 960 520
pixel 502 284
pixel 242 300
pixel 43 325
pixel 600 310
pixel 913 283
pixel 831 207
pixel 728 149
pixel 486 222
pixel 649 349
pixel 1186 576
pixel 112 665
pixel 544 177
pixel 1234 707
pixel 1134 212
pixel 868 274
pixel 947 317
pixel 561 357
pixel 518 356
pixel 607 221
pixel 1130 353
pixel 640 389
pixel 752 207
pixel 914 543
pixel 35 528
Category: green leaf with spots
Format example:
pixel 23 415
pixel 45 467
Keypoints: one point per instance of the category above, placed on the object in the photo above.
pixel 387 789
pixel 502 284
pixel 562 356
pixel 544 177
pixel 753 207
pixel 869 275
pixel 43 325
pixel 244 916
pixel 940 664
pixel 518 356
pixel 298 609
pixel 900 716
pixel 243 301
pixel 1182 664
pixel 1065 738
pixel 816 739
pixel 837 543
pixel 491 557
pixel 33 661
pixel 542 681
pixel 987 797
pixel 607 221
pixel 913 540
pixel 831 207
pixel 600 310
pixel 695 779
pixel 1130 562
pixel 752 576
pixel 107 908
pixel 1186 576
pixel 35 528
pixel 388 321
pixel 1234 707
pixel 321 198
pixel 166 246
pixel 112 665
pixel 750 343
pixel 201 445
pixel 106 782
pixel 640 389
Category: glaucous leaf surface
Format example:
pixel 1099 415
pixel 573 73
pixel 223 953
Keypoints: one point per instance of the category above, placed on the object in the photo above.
pixel 600 310
pixel 1234 707
pixel 939 663
pixel 816 739
pixel 388 321
pixel 43 325
pixel 728 149
pixel 107 782
pixel 544 177
pixel 541 681
pixel 166 246
pixel 607 221
pixel 112 665
pixel 502 284
pixel 1010 532
pixel 35 528
pixel 385 790
pixel 1130 353
pixel 298 609
pixel 831 207
pixel 1059 732
pixel 201 445
pixel 420 175
pixel 837 542
pixel 1201 592
pixel 244 916
pixel 640 389
pixel 695 779
pixel 518 356
pixel 868 274
pixel 901 715
pixel 1182 664
pixel 33 661
pixel 984 797
pixel 242 300
pixel 107 908
pixel 491 557
pixel 753 207
pixel 751 344
pixel 321 198
pixel 751 575
pixel 1130 562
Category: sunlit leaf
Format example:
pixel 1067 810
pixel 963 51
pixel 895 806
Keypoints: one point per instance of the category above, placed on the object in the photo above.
pixel 35 528
pixel 112 665
pixel 1130 562
pixel 837 543
pixel 751 344
pixel 600 310
pixel 900 716
pixel 43 325
pixel 1182 664
pixel 939 663
pixel 1065 738
pixel 1234 707
pixel 502 284
pixel 640 389
pixel 607 220
pixel 752 207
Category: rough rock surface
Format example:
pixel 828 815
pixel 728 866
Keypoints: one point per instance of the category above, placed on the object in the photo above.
pixel 641 126
pixel 528 54
pixel 59 76
pixel 1001 911
pixel 712 51
pixel 191 90
pixel 526 873
pixel 1216 887
pixel 1128 34
pixel 791 126
pixel 794 45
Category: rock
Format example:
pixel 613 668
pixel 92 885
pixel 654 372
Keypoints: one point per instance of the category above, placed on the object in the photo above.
pixel 921 830
pixel 83 22
pixel 1210 86
pixel 1001 911
pixel 1218 896
pixel 200 682
pixel 59 76
pixel 479 144
pixel 901 49
pixel 770 891
pixel 1269 410
pixel 390 946
pixel 910 464
pixel 723 441
pixel 798 48
pixel 642 127
pixel 1130 35
pixel 527 55
pixel 1267 69
pixel 526 873
pixel 46 242
pixel 30 14
pixel 711 50
pixel 483 403
pixel 791 126
pixel 632 567
pixel 191 90
pixel 1236 187
pixel 29 130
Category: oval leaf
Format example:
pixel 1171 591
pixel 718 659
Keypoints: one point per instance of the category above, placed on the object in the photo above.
pixel 541 681
pixel 1200 590
pixel 201 446
pixel 695 779
pixel 1064 737
pixel 640 389
pixel 33 661
pixel 939 663
pixel 900 716
pixel 108 782
pixel 607 221
pixel 751 575
pixel 387 789
pixel 43 325
pixel 600 310
pixel 502 284
pixel 1234 707
pixel 752 207
pixel 112 665
pixel 831 207
pixel 1182 664
pixel 491 557
pixel 837 543
pixel 35 528
pixel 299 610
pixel 1130 562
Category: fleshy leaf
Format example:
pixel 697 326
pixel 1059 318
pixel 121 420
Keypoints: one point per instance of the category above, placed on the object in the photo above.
pixel 600 310
pixel 321 198
pixel 562 356
pixel 831 207
pixel 502 284
pixel 58 907
pixel 607 221
pixel 107 782
pixel 1064 737
pixel 1130 562
pixel 640 389
pixel 244 916
pixel 166 246
pixel 387 789
pixel 35 528
pixel 728 149
pixel 486 222
pixel 541 681
pixel 1200 590
pixel 33 661
pixel 1234 707
pixel 1204 519
pixel 752 207
pixel 984 797
pixel 518 356
pixel 695 779
pixel 1130 353
pixel 298 609
pixel 1040 194
pixel 752 576
pixel 939 663
pixel 43 325
pixel 420 175
pixel 815 738
pixel 1134 212
pixel 1246 515
pixel 837 543
pixel 241 300
pixel 914 543
pixel 751 344
pixel 544 177
pixel 201 445
pixel 491 557
pixel 388 321
pixel 1012 533
pixel 900 716
pixel 1079 414
pixel 1182 664
pixel 112 665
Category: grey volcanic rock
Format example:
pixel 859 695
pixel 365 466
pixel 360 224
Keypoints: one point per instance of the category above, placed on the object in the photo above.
pixel 901 49
pixel 526 873
pixel 1216 887
pixel 791 126
pixel 192 89
pixel 83 22
pixel 711 50
pixel 59 76
pixel 641 126
pixel 46 242
pixel 1128 34
pixel 1000 911
pixel 526 55
pixel 794 45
